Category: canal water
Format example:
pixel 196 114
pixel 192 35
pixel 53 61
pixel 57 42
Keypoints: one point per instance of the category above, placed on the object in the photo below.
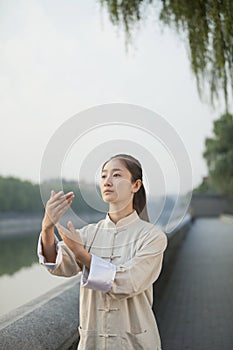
pixel 21 277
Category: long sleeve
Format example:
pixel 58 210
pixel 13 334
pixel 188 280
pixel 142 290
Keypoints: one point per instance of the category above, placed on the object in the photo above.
pixel 132 277
pixel 65 264
pixel 101 275
pixel 137 274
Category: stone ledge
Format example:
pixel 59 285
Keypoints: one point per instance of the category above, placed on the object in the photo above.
pixel 46 323
pixel 175 240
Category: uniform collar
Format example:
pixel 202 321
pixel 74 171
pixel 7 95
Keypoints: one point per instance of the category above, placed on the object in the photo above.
pixel 127 220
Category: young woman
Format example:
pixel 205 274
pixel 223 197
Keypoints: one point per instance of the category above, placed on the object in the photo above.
pixel 120 257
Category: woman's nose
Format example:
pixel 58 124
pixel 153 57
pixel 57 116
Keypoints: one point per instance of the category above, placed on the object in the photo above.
pixel 107 180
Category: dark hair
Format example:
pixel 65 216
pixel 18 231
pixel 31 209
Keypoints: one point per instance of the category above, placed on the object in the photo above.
pixel 135 168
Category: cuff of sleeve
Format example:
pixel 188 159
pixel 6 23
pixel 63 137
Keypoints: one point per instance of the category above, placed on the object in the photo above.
pixel 42 260
pixel 101 275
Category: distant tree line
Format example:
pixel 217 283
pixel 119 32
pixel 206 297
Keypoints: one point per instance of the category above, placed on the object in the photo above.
pixel 17 195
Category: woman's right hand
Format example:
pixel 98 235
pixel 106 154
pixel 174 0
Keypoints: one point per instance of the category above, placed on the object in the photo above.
pixel 56 206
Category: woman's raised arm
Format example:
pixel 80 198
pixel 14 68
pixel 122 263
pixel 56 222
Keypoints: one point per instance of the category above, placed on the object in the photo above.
pixel 56 206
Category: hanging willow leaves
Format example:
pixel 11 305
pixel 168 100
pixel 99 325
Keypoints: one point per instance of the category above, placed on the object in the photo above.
pixel 208 28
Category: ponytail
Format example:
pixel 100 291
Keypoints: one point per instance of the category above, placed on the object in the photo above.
pixel 139 203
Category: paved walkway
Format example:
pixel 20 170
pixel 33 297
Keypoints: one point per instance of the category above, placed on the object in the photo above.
pixel 196 310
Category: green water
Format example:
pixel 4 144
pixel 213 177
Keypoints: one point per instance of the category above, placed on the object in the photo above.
pixel 22 278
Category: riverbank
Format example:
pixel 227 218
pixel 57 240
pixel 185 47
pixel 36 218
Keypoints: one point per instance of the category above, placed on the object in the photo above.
pixel 12 223
pixel 16 223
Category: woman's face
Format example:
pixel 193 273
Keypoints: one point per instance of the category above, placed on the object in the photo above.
pixel 116 179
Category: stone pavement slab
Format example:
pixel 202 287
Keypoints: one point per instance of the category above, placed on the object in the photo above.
pixel 196 309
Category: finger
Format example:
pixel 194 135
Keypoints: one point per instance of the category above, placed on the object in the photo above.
pixel 58 195
pixel 52 193
pixel 62 230
pixel 55 212
pixel 69 242
pixel 74 232
pixel 64 199
pixel 56 201
pixel 70 201
pixel 62 206
pixel 71 226
pixel 59 210
pixel 62 210
pixel 71 233
pixel 54 197
pixel 69 194
pixel 65 233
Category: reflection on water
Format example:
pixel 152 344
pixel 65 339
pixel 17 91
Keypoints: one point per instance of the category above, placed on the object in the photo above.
pixel 16 252
pixel 22 278
pixel 19 249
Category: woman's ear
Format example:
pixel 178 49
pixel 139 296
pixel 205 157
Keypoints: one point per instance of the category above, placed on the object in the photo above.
pixel 137 185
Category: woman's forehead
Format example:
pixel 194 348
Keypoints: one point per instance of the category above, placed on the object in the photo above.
pixel 114 164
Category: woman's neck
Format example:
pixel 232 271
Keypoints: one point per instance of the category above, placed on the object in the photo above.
pixel 115 213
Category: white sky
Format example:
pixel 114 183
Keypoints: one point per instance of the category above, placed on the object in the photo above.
pixel 60 57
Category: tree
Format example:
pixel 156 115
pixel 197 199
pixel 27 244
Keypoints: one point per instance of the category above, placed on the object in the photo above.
pixel 18 195
pixel 206 187
pixel 206 25
pixel 219 154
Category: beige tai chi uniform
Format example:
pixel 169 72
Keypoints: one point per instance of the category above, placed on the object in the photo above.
pixel 116 295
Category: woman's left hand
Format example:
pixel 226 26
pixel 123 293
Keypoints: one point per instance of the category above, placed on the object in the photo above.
pixel 73 240
pixel 71 237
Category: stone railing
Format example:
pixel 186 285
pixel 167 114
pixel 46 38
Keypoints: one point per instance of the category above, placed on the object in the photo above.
pixel 175 239
pixel 47 323
pixel 50 322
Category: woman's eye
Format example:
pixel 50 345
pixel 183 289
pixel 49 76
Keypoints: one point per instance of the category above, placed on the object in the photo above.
pixel 103 176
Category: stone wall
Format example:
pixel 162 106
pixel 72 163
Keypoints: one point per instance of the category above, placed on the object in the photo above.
pixel 207 205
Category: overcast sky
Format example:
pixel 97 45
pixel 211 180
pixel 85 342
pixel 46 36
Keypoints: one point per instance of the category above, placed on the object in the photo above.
pixel 61 57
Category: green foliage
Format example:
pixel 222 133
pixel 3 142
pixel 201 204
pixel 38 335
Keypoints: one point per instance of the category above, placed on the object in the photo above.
pixel 126 12
pixel 18 195
pixel 207 26
pixel 23 196
pixel 219 154
pixel 79 203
